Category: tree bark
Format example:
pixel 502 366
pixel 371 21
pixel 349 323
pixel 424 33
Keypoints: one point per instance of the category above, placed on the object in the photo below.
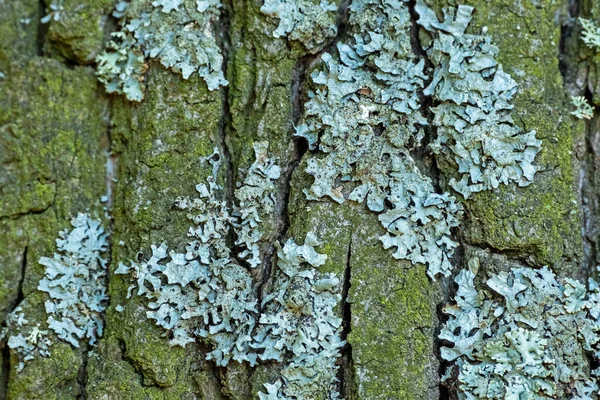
pixel 65 143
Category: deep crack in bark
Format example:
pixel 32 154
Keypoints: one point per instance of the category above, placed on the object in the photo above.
pixel 427 162
pixel 300 147
pixel 587 188
pixel 42 30
pixel 4 370
pixel 223 40
pixel 4 349
pixel 82 376
pixel 346 375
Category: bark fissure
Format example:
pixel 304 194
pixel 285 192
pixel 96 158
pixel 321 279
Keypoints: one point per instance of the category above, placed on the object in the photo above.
pixel 300 147
pixel 346 377
pixel 4 349
pixel 42 30
pixel 4 369
pixel 131 362
pixel 20 295
pixel 82 376
pixel 223 40
pixel 18 215
pixel 588 194
pixel 587 189
pixel 427 162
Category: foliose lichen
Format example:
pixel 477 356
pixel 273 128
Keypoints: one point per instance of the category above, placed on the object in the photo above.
pixel 299 318
pixel 525 335
pixel 583 109
pixel 206 294
pixel 590 33
pixel 75 280
pixel 307 21
pixel 472 115
pixel 178 33
pixel 365 117
pixel 54 11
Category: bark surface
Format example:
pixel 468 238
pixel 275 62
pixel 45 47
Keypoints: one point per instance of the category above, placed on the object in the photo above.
pixel 65 143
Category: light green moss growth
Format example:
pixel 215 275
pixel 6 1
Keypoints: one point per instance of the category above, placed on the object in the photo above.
pixel 76 28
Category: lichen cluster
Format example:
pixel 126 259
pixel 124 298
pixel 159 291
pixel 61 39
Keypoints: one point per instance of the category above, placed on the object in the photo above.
pixel 525 335
pixel 307 21
pixel 75 281
pixel 590 33
pixel 178 33
pixel 53 12
pixel 472 114
pixel 365 117
pixel 205 293
pixel 299 318
pixel 583 109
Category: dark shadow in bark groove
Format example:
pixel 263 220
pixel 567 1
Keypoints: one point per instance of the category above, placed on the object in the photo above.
pixel 346 375
pixel 5 371
pixel 82 376
pixel 300 146
pixel 42 31
pixel 427 162
pixel 4 349
pixel 569 52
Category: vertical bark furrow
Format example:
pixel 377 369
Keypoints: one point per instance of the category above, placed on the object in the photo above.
pixel 346 376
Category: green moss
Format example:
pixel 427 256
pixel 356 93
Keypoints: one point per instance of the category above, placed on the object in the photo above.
pixel 53 140
pixel 45 378
pixel 79 32
pixel 393 322
pixel 19 22
pixel 393 314
pixel 159 144
pixel 121 378
pixel 261 95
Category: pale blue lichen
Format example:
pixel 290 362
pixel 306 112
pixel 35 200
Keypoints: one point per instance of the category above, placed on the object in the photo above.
pixel 205 294
pixel 121 67
pixel 255 201
pixel 307 21
pixel 75 281
pixel 472 92
pixel 299 318
pixel 54 11
pixel 178 33
pixel 26 339
pixel 524 336
pixel 583 109
pixel 590 33
pixel 365 116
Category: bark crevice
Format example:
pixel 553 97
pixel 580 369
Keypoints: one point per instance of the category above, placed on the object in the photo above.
pixel 347 383
pixel 223 40
pixel 299 73
pixel 42 30
pixel 427 162
pixel 4 349
pixel 82 375
pixel 569 51
pixel 4 369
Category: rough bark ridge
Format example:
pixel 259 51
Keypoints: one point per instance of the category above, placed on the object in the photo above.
pixel 64 143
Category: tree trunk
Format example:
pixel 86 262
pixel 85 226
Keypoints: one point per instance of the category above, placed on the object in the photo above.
pixel 68 147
